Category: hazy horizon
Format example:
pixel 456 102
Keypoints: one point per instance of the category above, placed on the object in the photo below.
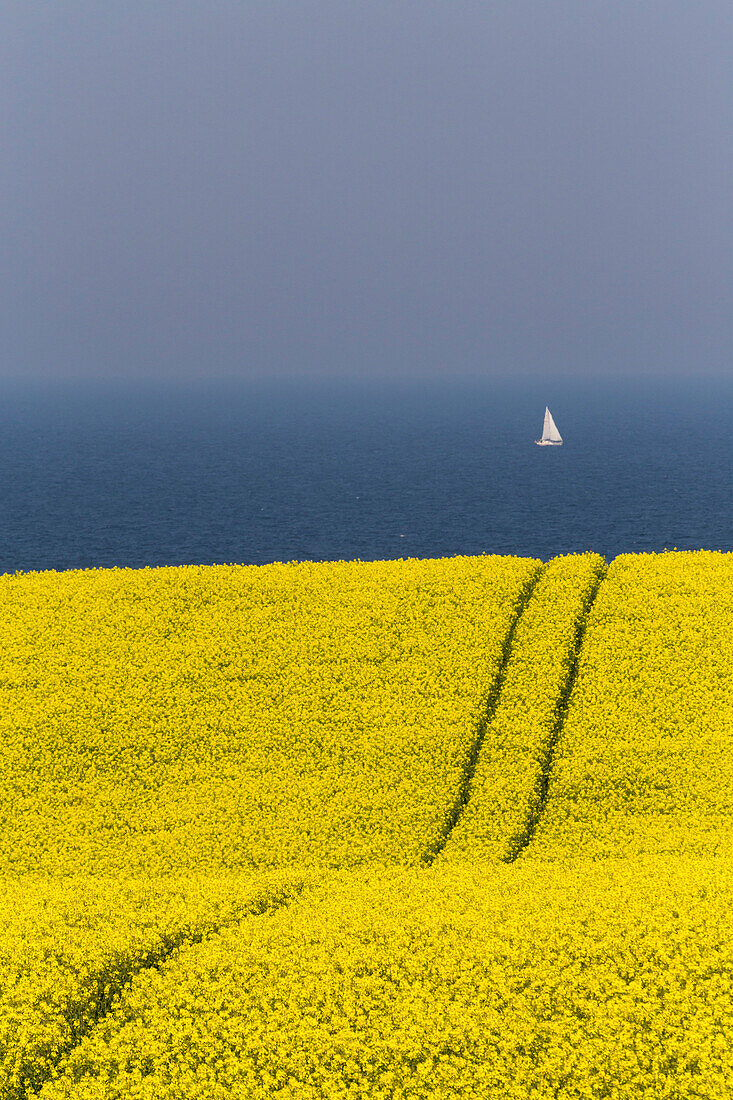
pixel 367 189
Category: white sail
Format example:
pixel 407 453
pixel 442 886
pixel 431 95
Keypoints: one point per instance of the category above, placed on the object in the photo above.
pixel 550 434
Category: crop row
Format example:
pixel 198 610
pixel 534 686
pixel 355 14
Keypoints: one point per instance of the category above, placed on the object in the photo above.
pixel 644 763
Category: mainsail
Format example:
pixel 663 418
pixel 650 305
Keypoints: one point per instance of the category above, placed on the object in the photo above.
pixel 550 434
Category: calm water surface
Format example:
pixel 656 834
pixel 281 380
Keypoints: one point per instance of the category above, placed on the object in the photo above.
pixel 134 475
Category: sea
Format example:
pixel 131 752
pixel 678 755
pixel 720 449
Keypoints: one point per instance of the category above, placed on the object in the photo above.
pixel 142 473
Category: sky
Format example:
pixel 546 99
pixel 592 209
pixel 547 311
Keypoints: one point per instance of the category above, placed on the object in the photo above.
pixel 224 188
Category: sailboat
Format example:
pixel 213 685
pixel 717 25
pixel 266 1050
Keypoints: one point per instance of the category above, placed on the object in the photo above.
pixel 550 435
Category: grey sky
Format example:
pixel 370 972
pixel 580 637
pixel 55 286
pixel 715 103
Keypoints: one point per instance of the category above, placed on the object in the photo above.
pixel 355 187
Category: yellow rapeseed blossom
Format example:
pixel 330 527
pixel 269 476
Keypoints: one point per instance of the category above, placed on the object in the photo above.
pixel 169 720
pixel 260 836
pixel 589 981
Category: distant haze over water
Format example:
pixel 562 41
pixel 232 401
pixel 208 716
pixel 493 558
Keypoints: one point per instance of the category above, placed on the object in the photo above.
pixel 156 474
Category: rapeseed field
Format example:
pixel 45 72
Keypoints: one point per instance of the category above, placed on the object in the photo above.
pixel 199 719
pixel 416 829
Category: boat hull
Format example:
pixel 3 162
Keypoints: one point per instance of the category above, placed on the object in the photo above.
pixel 548 443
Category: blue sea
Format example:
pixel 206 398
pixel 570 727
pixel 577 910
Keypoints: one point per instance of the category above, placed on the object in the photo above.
pixel 137 474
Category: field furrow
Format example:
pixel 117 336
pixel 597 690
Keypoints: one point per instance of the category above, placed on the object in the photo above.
pixel 69 947
pixel 508 788
pixel 485 722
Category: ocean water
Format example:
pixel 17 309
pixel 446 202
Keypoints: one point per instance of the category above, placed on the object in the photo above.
pixel 136 474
